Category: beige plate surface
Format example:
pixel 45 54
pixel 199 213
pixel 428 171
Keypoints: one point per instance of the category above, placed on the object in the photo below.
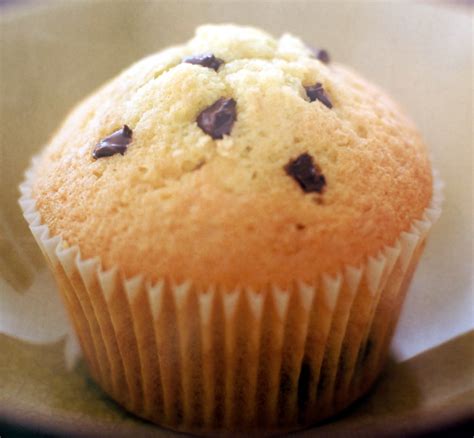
pixel 54 54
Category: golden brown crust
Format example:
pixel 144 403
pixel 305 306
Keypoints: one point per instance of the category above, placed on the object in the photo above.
pixel 181 205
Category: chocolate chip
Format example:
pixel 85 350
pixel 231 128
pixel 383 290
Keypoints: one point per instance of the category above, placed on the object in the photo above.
pixel 306 173
pixel 205 59
pixel 322 55
pixel 316 92
pixel 218 119
pixel 116 143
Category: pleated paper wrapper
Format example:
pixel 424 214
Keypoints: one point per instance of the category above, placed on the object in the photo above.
pixel 216 360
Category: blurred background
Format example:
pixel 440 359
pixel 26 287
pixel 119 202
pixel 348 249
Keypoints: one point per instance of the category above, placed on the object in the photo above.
pixel 54 53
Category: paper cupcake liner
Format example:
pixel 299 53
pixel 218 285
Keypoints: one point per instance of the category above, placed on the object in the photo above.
pixel 210 360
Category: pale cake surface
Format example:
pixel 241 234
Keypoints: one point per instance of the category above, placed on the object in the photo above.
pixel 182 206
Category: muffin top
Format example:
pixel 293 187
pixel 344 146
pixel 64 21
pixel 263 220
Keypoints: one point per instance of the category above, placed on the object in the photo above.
pixel 236 159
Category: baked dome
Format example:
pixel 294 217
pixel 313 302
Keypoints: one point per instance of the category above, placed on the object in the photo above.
pixel 182 205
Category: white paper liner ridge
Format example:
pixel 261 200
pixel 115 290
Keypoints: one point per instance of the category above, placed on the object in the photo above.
pixel 36 314
pixel 283 354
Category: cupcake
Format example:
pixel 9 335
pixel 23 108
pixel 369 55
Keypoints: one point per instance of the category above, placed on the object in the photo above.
pixel 233 224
